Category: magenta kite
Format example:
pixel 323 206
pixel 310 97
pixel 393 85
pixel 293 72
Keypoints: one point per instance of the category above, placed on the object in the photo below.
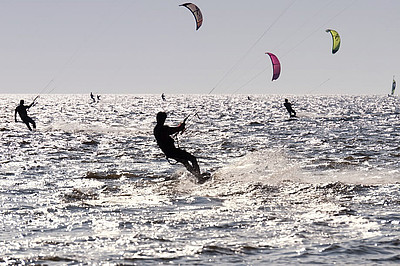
pixel 276 66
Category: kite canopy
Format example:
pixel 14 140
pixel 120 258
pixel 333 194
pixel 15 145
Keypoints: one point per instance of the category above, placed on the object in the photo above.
pixel 276 66
pixel 335 39
pixel 196 13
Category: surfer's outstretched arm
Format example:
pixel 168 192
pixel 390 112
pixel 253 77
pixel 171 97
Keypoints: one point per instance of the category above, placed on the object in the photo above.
pixel 33 103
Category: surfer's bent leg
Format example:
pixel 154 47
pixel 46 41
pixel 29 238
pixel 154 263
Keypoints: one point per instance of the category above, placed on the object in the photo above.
pixel 188 166
pixel 26 122
pixel 30 120
pixel 29 127
pixel 183 157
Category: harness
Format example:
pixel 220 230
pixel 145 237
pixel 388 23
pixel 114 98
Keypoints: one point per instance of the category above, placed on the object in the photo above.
pixel 175 137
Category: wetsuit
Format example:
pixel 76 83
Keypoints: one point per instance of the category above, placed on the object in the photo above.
pixel 21 110
pixel 289 108
pixel 163 134
pixel 92 96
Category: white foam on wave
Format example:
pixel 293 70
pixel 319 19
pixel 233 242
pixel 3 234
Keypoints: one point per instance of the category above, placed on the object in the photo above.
pixel 266 166
pixel 273 167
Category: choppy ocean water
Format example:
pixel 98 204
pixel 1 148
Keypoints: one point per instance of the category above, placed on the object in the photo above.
pixel 90 185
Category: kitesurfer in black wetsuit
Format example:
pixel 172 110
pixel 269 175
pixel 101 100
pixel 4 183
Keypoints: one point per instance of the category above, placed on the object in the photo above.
pixel 92 96
pixel 289 108
pixel 22 111
pixel 163 134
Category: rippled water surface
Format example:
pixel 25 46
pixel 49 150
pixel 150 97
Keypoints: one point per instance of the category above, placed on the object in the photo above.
pixel 91 186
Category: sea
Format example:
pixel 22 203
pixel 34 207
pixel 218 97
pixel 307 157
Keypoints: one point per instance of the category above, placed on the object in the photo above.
pixel 90 186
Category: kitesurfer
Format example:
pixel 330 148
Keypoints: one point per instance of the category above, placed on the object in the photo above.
pixel 163 96
pixel 22 111
pixel 289 108
pixel 163 134
pixel 92 96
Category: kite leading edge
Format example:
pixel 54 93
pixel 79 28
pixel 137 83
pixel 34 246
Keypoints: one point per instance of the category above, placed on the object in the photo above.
pixel 196 13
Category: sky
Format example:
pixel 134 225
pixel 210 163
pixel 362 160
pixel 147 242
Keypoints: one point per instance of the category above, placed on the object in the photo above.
pixel 152 47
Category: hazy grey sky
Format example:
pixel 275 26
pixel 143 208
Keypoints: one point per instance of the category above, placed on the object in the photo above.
pixel 143 46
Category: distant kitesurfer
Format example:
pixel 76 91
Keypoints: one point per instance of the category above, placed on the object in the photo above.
pixel 92 96
pixel 22 111
pixel 163 134
pixel 163 96
pixel 289 108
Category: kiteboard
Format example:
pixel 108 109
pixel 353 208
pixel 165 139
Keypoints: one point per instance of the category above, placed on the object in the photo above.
pixel 202 178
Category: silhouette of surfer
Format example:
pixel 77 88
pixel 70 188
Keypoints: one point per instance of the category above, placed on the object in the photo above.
pixel 163 133
pixel 23 114
pixel 98 98
pixel 92 96
pixel 163 96
pixel 289 108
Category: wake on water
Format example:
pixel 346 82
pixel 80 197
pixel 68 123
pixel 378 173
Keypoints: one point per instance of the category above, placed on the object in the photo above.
pixel 275 168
